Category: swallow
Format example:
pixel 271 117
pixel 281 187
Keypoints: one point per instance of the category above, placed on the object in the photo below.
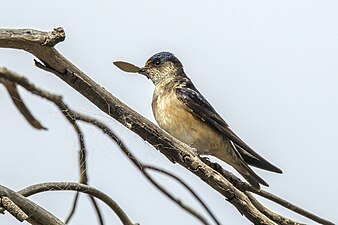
pixel 181 110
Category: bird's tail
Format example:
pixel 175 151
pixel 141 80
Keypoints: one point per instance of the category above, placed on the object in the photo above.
pixel 257 161
pixel 250 175
pixel 230 155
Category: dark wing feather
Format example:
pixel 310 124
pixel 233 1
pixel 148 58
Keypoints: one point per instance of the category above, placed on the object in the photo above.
pixel 253 161
pixel 202 109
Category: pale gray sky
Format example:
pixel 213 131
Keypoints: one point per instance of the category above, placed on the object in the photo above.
pixel 270 68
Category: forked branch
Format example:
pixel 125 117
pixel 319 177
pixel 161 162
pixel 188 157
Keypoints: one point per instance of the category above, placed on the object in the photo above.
pixel 73 117
pixel 41 45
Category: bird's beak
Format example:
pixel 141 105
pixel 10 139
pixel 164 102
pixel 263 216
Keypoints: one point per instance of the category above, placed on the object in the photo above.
pixel 144 71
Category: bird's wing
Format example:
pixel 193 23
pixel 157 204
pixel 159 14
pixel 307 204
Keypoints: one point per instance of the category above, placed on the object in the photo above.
pixel 202 109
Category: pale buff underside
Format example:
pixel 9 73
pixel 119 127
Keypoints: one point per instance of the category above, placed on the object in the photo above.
pixel 174 117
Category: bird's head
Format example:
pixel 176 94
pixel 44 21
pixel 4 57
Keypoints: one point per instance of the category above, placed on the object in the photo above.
pixel 162 66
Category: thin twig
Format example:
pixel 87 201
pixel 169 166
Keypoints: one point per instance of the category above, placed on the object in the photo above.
pixel 292 207
pixel 97 209
pixel 176 151
pixel 39 44
pixel 265 194
pixel 140 166
pixel 186 186
pixel 69 186
pixel 70 118
pixel 272 215
pixel 237 182
pixel 82 162
pixel 20 104
pixel 72 210
pixel 176 200
pixel 73 117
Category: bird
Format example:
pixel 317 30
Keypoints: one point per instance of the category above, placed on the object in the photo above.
pixel 182 111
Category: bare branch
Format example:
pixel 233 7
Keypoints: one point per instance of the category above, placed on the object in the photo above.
pixel 246 187
pixel 69 186
pixel 20 104
pixel 292 207
pixel 73 117
pixel 72 210
pixel 176 200
pixel 273 216
pixel 13 209
pixel 26 38
pixel 141 166
pixel 174 150
pixel 97 209
pixel 37 214
pixel 186 186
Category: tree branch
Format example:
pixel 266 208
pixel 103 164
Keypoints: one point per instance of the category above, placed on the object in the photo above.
pixel 20 104
pixel 145 167
pixel 273 216
pixel 37 214
pixel 245 187
pixel 72 118
pixel 69 186
pixel 40 44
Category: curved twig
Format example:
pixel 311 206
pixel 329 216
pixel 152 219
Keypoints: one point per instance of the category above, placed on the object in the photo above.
pixel 82 164
pixel 142 167
pixel 73 117
pixel 176 200
pixel 97 209
pixel 67 186
pixel 186 186
pixel 72 210
pixel 11 87
pixel 40 44
pixel 37 214
pixel 265 194
pixel 20 104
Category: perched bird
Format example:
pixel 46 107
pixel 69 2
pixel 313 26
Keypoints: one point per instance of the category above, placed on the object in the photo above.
pixel 181 110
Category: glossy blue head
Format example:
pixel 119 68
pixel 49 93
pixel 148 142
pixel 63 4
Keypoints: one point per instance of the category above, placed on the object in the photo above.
pixel 162 66
pixel 163 57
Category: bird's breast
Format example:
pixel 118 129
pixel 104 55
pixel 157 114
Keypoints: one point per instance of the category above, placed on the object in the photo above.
pixel 174 116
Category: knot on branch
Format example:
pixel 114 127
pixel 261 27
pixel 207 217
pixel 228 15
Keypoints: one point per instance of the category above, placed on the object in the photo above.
pixel 54 37
pixel 26 38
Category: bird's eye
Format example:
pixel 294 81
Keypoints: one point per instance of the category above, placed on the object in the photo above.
pixel 157 62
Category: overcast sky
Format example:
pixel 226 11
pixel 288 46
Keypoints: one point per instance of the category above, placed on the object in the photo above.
pixel 270 68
